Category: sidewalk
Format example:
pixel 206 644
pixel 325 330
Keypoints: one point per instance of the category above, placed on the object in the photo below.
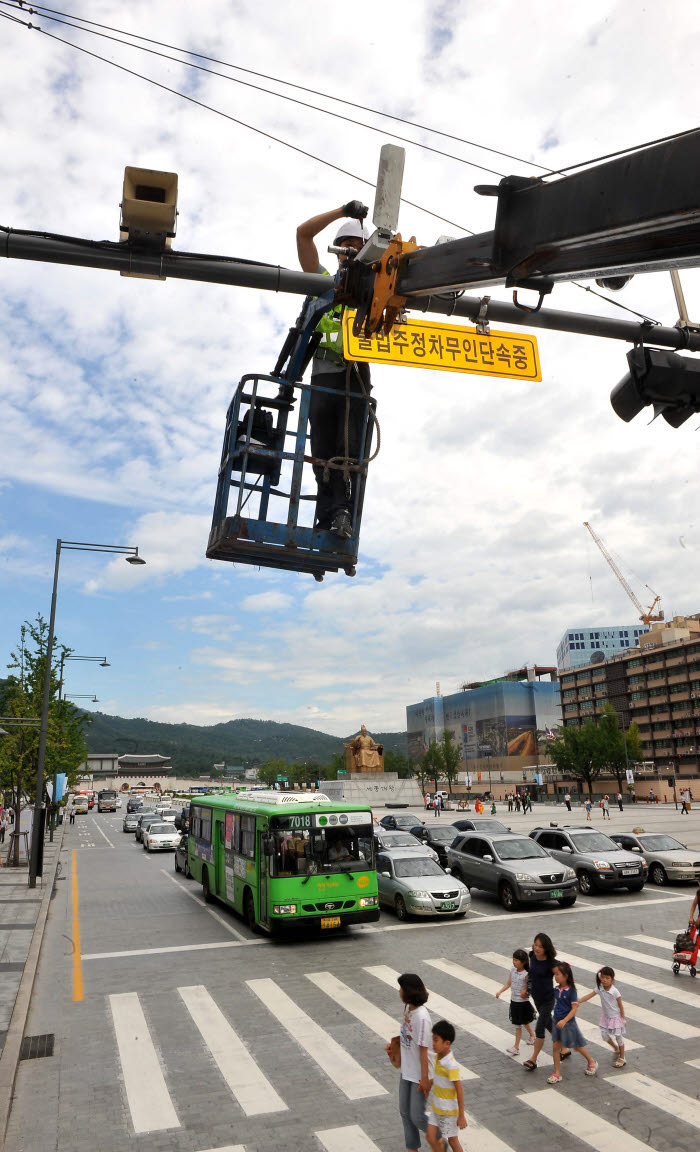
pixel 23 913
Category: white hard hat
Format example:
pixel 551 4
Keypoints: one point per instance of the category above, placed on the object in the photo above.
pixel 351 228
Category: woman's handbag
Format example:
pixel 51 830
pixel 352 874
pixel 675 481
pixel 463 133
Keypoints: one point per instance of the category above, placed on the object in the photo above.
pixel 394 1051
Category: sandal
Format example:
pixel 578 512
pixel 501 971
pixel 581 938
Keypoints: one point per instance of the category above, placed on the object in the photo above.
pixel 620 1062
pixel 554 1078
pixel 591 1069
pixel 564 1055
pixel 530 1065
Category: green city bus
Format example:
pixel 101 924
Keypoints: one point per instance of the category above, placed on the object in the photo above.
pixel 285 860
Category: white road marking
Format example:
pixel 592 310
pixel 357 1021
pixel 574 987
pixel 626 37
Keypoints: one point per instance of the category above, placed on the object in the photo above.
pixel 203 904
pixel 246 1080
pixel 628 954
pixel 350 1139
pixel 146 1091
pixel 655 941
pixel 582 1123
pixel 491 1034
pixel 102 832
pixel 666 1024
pixel 172 948
pixel 378 1021
pixel 227 1148
pixel 344 1071
pixel 694 1063
pixel 660 1095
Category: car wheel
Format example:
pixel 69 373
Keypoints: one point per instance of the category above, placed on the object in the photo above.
pixel 506 894
pixel 206 890
pixel 567 901
pixel 635 887
pixel 657 874
pixel 177 866
pixel 585 884
pixel 400 908
pixel 249 912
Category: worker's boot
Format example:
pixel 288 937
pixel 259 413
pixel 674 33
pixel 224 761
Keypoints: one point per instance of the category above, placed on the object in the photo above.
pixel 341 525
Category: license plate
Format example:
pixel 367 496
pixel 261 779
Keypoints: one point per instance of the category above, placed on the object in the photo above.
pixel 556 893
pixel 330 921
pixel 630 871
pixel 447 906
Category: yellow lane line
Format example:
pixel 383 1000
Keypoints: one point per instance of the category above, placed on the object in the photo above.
pixel 77 958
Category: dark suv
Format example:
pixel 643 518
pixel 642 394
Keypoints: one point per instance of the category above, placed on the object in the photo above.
pixel 598 861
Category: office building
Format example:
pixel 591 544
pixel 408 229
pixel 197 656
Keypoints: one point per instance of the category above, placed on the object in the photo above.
pixel 585 645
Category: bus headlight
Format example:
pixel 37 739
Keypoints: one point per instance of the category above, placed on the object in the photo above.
pixel 284 909
pixel 368 902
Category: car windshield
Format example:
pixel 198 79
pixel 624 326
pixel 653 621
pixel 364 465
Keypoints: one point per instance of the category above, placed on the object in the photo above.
pixel 515 848
pixel 309 851
pixel 489 826
pixel 157 829
pixel 443 834
pixel 417 866
pixel 661 844
pixel 399 840
pixel 594 842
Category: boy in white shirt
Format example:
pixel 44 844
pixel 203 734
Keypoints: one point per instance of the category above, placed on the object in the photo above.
pixel 446 1100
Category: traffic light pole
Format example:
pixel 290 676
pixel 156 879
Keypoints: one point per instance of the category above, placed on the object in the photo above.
pixel 213 269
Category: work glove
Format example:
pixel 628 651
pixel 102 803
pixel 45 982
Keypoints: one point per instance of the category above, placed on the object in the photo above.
pixel 355 209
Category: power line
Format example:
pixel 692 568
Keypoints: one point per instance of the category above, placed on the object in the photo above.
pixel 42 9
pixel 233 119
pixel 623 151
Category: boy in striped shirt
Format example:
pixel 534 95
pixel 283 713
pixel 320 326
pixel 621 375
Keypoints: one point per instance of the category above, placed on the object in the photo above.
pixel 446 1100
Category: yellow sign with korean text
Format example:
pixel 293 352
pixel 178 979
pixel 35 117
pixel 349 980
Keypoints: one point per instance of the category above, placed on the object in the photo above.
pixel 446 347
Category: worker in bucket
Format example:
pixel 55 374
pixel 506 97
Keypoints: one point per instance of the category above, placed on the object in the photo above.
pixel 336 427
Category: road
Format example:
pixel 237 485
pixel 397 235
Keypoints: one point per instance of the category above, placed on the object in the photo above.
pixel 176 1028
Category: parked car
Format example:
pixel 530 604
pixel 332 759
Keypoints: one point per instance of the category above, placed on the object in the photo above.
pixel 160 836
pixel 666 857
pixel 388 838
pixel 413 884
pixel 119 801
pixel 438 838
pixel 480 824
pixel 598 861
pixel 399 820
pixel 130 821
pixel 144 820
pixel 513 867
pixel 181 856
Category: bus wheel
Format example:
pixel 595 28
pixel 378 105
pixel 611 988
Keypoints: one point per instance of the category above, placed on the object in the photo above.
pixel 249 912
pixel 206 891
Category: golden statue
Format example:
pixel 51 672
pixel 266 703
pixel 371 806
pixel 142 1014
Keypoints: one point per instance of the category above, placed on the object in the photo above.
pixel 362 754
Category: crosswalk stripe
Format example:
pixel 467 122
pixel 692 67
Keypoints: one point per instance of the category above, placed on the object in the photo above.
pixel 147 1095
pixel 483 1030
pixel 582 1123
pixel 247 1082
pixel 226 1148
pixel 655 941
pixel 349 1139
pixel 375 1019
pixel 657 1020
pixel 628 954
pixel 466 975
pixel 660 1095
pixel 352 1079
pixel 694 1063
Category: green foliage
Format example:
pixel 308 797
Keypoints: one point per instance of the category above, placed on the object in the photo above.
pixel 440 762
pixel 596 749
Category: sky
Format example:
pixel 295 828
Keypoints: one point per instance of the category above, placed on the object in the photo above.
pixel 473 555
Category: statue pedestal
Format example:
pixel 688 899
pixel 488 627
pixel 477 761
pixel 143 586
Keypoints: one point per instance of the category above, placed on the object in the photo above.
pixel 377 789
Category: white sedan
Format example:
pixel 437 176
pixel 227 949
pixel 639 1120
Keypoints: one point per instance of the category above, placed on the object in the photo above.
pixel 161 837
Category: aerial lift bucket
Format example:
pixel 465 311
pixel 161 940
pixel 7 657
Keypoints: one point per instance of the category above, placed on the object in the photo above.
pixel 265 511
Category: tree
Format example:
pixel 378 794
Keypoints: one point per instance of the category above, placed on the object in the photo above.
pixel 421 770
pixel 579 752
pixel 451 756
pixel 21 697
pixel 271 769
pixel 619 749
pixel 397 762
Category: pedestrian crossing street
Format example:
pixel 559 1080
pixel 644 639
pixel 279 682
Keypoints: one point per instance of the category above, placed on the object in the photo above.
pixel 460 992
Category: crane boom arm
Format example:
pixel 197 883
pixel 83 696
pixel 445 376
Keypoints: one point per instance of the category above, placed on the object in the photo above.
pixel 617 571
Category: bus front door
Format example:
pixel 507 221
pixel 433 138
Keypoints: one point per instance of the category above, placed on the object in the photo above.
pixel 263 865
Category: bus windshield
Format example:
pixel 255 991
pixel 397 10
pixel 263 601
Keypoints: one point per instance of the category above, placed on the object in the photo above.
pixel 311 850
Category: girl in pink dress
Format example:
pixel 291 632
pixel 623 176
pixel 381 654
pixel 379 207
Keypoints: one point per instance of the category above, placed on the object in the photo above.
pixel 612 1020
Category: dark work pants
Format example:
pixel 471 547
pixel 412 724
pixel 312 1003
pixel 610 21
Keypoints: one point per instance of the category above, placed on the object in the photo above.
pixel 327 412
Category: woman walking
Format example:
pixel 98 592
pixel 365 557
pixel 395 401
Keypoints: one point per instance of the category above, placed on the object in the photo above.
pixel 542 960
pixel 416 1039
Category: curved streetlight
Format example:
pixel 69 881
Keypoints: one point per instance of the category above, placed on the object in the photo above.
pixel 131 555
pixel 101 660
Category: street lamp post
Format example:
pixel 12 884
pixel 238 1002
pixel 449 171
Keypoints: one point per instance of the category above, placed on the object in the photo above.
pixel 131 556
pixel 104 663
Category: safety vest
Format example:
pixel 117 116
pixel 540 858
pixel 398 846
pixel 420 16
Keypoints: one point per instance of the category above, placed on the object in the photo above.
pixel 331 327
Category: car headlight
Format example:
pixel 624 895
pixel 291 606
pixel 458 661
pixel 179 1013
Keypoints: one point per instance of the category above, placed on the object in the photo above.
pixel 644 862
pixel 569 874
pixel 368 902
pixel 420 895
pixel 602 865
pixel 523 876
pixel 284 909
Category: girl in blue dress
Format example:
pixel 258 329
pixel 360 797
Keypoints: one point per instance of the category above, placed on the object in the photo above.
pixel 566 1032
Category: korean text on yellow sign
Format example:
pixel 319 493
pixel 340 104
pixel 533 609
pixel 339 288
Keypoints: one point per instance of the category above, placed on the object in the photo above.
pixel 449 347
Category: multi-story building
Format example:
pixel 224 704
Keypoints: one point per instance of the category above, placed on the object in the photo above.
pixel 579 645
pixel 657 687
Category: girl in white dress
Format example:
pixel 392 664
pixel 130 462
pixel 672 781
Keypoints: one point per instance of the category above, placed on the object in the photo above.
pixel 612 1020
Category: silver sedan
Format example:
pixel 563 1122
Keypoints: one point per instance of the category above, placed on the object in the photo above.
pixel 413 884
pixel 667 858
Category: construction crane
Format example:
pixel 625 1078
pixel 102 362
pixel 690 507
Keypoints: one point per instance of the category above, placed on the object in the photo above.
pixel 647 616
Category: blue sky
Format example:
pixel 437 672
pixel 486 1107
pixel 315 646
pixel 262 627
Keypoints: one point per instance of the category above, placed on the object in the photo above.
pixel 473 554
